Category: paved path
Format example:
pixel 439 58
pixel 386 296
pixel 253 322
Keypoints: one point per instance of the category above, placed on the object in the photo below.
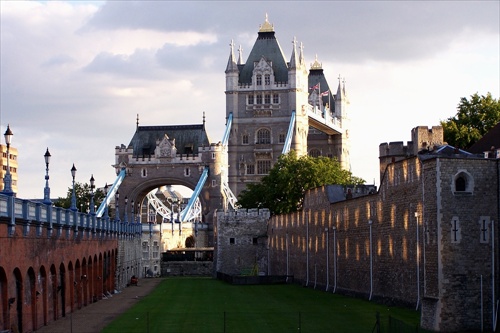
pixel 94 317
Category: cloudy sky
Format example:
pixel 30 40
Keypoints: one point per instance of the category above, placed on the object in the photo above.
pixel 74 75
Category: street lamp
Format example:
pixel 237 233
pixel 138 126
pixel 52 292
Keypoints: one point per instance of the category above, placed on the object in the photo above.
pixel 73 196
pixel 7 179
pixel 92 187
pixel 46 190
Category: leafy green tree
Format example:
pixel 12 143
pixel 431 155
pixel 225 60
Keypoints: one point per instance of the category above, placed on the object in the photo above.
pixel 283 189
pixel 82 194
pixel 474 118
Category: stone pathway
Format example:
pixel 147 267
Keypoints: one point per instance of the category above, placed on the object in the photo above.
pixel 94 317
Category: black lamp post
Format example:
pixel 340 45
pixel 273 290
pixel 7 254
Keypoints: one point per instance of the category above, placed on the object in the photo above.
pixel 73 196
pixel 7 179
pixel 46 190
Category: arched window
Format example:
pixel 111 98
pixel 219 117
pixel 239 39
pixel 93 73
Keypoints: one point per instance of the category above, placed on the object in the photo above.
pixel 263 136
pixel 258 79
pixel 314 153
pixel 267 79
pixel 462 183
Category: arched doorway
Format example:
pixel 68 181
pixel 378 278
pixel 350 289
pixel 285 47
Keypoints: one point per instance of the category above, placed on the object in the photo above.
pixel 4 317
pixel 18 300
pixel 53 309
pixel 43 292
pixel 61 288
pixel 31 296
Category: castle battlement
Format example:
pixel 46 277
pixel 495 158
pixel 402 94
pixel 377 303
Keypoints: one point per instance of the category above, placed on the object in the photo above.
pixel 252 212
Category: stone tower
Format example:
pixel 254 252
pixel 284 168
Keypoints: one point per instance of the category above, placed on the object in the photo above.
pixel 263 93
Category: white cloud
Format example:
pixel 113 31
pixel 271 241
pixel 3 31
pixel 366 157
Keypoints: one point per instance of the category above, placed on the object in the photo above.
pixel 74 75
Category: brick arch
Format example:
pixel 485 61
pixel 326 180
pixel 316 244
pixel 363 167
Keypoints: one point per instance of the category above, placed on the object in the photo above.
pixel 77 282
pixel 4 318
pixel 53 308
pixel 42 293
pixel 17 301
pixel 62 289
pixel 71 285
pixel 85 282
pixel 30 296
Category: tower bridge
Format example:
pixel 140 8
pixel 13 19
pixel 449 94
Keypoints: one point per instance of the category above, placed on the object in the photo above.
pixel 76 258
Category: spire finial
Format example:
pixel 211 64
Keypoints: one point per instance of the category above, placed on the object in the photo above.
pixel 240 55
pixel 137 122
pixel 203 119
pixel 266 26
pixel 316 64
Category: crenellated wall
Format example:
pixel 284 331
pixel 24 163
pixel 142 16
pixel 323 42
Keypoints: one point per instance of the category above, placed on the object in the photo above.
pixel 241 242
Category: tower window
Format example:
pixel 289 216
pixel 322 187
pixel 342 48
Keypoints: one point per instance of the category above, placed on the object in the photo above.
pixel 258 79
pixel 460 184
pixel 281 138
pixel 276 99
pixel 263 167
pixel 267 79
pixel 314 153
pixel 267 99
pixel 250 99
pixel 263 136
pixel 259 99
pixel 244 139
pixel 250 169
pixel 187 172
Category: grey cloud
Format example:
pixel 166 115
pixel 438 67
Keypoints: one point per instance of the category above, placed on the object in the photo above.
pixel 347 31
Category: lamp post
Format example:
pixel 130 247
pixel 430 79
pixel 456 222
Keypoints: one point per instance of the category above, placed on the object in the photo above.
pixel 106 215
pixel 92 187
pixel 117 212
pixel 73 196
pixel 46 190
pixel 7 179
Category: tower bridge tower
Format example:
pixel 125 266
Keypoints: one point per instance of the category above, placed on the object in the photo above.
pixel 268 92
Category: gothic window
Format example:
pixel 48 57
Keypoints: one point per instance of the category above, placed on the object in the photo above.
pixel 144 172
pixel 281 138
pixel 259 79
pixel 314 152
pixel 267 99
pixel 263 136
pixel 244 139
pixel 231 240
pixel 267 79
pixel 455 230
pixel 263 167
pixel 276 99
pixel 187 172
pixel 250 169
pixel 214 183
pixel 259 99
pixel 462 183
pixel 250 99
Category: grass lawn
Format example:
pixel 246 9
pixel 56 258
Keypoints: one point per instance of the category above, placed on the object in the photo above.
pixel 209 305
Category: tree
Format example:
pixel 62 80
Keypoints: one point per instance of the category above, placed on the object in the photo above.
pixel 474 118
pixel 82 194
pixel 283 189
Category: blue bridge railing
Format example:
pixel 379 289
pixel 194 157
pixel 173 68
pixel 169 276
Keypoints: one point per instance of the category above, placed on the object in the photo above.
pixel 28 213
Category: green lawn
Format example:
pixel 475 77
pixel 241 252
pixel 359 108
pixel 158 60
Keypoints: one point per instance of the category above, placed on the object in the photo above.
pixel 209 305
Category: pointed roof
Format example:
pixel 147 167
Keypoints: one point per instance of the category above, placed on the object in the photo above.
pixel 231 62
pixel 490 140
pixel 316 76
pixel 266 46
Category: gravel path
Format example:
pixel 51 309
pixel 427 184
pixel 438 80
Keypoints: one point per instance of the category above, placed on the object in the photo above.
pixel 94 317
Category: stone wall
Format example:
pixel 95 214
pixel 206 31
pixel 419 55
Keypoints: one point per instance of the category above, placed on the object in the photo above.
pixel 241 242
pixel 187 268
pixel 417 241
